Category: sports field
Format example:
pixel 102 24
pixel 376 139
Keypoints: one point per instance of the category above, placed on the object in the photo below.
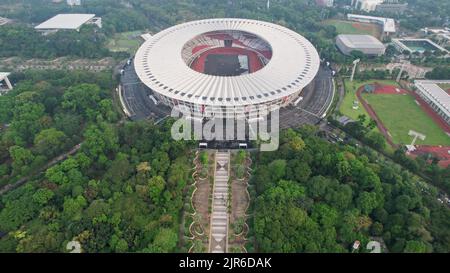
pixel 400 113
pixel 346 107
pixel 125 42
pixel 445 86
pixel 348 27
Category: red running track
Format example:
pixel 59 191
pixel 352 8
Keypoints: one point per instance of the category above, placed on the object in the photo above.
pixel 375 117
pixel 254 62
pixel 440 152
pixel 389 89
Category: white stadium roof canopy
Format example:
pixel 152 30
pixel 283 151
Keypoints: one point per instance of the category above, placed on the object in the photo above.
pixel 293 65
pixel 65 21
pixel 432 90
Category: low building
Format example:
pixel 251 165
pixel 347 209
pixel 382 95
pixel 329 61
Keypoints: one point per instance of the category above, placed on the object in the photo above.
pixel 325 3
pixel 388 24
pixel 74 2
pixel 441 35
pixel 68 22
pixel 414 45
pixel 367 44
pixel 434 94
pixel 366 5
pixel 391 7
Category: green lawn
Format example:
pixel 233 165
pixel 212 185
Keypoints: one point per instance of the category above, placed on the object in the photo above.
pixel 347 27
pixel 400 113
pixel 125 41
pixel 350 97
pixel 445 86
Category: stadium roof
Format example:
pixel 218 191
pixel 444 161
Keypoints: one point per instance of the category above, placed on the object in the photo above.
pixel 360 41
pixel 435 93
pixel 66 21
pixel 388 23
pixel 294 64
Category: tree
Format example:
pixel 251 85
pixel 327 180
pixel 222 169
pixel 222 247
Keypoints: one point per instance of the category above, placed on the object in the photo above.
pixel 156 187
pixel 165 241
pixel 82 99
pixel 28 120
pixel 73 207
pixel 42 196
pixel 22 158
pixel 278 168
pixel 415 247
pixel 50 142
pixel 376 140
pixel 367 202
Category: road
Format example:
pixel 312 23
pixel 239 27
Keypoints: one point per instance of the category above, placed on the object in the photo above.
pixel 136 97
pixel 317 97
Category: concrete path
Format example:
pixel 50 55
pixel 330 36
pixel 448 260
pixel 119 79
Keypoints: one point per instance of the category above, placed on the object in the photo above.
pixel 218 241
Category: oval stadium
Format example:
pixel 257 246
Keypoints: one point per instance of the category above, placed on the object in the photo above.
pixel 223 67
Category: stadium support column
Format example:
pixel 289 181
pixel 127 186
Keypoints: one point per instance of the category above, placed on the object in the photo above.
pixel 8 83
pixel 401 71
pixel 355 62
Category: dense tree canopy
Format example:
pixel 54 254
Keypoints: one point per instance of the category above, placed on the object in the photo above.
pixel 323 197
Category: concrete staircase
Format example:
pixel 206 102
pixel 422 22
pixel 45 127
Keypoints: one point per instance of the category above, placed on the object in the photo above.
pixel 218 241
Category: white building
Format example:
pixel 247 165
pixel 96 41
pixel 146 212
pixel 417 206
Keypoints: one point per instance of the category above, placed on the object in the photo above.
pixel 388 24
pixel 325 3
pixel 286 63
pixel 366 5
pixel 68 22
pixel 367 44
pixel 416 45
pixel 435 96
pixel 74 2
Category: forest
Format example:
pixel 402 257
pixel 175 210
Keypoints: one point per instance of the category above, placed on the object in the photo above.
pixel 121 192
pixel 313 196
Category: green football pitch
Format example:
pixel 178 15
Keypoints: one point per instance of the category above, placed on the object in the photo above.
pixel 400 114
pixel 348 27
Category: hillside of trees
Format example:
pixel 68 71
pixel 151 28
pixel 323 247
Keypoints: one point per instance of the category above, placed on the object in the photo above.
pixel 121 192
pixel 48 113
pixel 312 196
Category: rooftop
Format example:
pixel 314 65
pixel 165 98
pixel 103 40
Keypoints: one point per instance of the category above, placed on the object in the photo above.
pixel 388 23
pixel 161 64
pixel 65 21
pixel 434 92
pixel 360 41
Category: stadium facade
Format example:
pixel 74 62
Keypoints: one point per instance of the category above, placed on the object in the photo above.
pixel 226 68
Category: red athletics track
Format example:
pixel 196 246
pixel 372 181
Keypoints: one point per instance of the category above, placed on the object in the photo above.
pixel 440 152
pixel 254 62
pixel 389 89
pixel 373 115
